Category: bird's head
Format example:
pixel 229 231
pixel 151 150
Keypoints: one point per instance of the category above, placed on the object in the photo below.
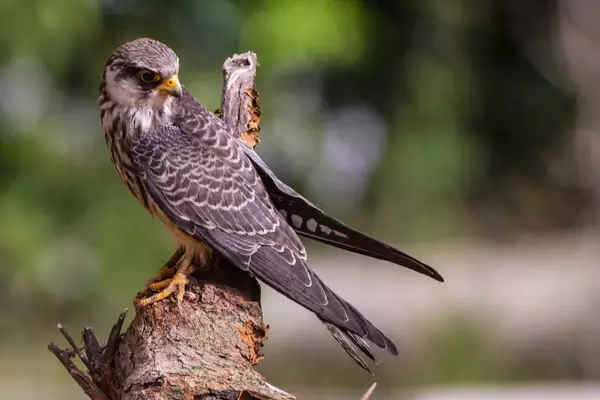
pixel 143 74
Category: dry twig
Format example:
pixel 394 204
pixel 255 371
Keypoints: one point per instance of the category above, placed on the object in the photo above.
pixel 369 392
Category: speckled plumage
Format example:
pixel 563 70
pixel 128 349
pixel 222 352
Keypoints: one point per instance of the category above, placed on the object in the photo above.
pixel 214 192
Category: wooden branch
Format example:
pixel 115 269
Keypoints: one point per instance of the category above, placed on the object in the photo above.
pixel 206 347
pixel 203 349
pixel 369 392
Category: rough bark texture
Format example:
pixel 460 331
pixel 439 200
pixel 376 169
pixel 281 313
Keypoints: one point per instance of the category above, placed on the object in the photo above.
pixel 205 347
pixel 239 105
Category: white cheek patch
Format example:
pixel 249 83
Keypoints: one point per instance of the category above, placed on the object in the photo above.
pixel 122 91
pixel 144 110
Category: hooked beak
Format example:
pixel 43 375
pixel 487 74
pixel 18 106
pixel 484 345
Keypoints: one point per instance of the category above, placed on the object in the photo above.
pixel 171 87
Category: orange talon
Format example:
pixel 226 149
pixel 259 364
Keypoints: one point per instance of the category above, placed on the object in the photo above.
pixel 169 286
pixel 157 286
pixel 165 273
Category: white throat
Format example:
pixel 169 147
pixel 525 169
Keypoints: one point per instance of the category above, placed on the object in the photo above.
pixel 144 119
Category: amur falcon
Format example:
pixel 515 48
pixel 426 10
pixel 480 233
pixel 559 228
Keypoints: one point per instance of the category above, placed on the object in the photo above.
pixel 216 194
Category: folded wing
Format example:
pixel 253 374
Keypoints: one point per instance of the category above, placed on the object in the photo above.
pixel 204 183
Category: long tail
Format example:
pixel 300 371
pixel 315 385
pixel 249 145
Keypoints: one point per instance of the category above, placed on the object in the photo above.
pixel 291 277
pixel 350 342
pixel 308 220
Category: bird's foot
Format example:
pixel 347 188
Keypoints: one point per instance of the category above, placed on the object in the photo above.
pixel 166 272
pixel 166 287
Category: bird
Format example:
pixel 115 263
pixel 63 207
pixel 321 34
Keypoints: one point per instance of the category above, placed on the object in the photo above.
pixel 219 198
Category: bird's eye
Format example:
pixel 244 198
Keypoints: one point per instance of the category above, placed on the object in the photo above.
pixel 148 76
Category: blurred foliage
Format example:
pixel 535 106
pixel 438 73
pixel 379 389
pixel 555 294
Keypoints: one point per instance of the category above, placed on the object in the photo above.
pixel 469 127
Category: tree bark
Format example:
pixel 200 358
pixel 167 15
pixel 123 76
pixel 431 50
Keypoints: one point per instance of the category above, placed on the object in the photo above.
pixel 205 347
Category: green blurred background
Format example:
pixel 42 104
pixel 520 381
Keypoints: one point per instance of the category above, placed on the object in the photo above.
pixel 463 132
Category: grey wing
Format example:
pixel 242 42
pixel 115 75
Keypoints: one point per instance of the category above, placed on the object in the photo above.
pixel 308 220
pixel 210 189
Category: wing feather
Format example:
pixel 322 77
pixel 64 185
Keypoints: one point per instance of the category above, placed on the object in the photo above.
pixel 202 180
pixel 350 342
pixel 308 220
